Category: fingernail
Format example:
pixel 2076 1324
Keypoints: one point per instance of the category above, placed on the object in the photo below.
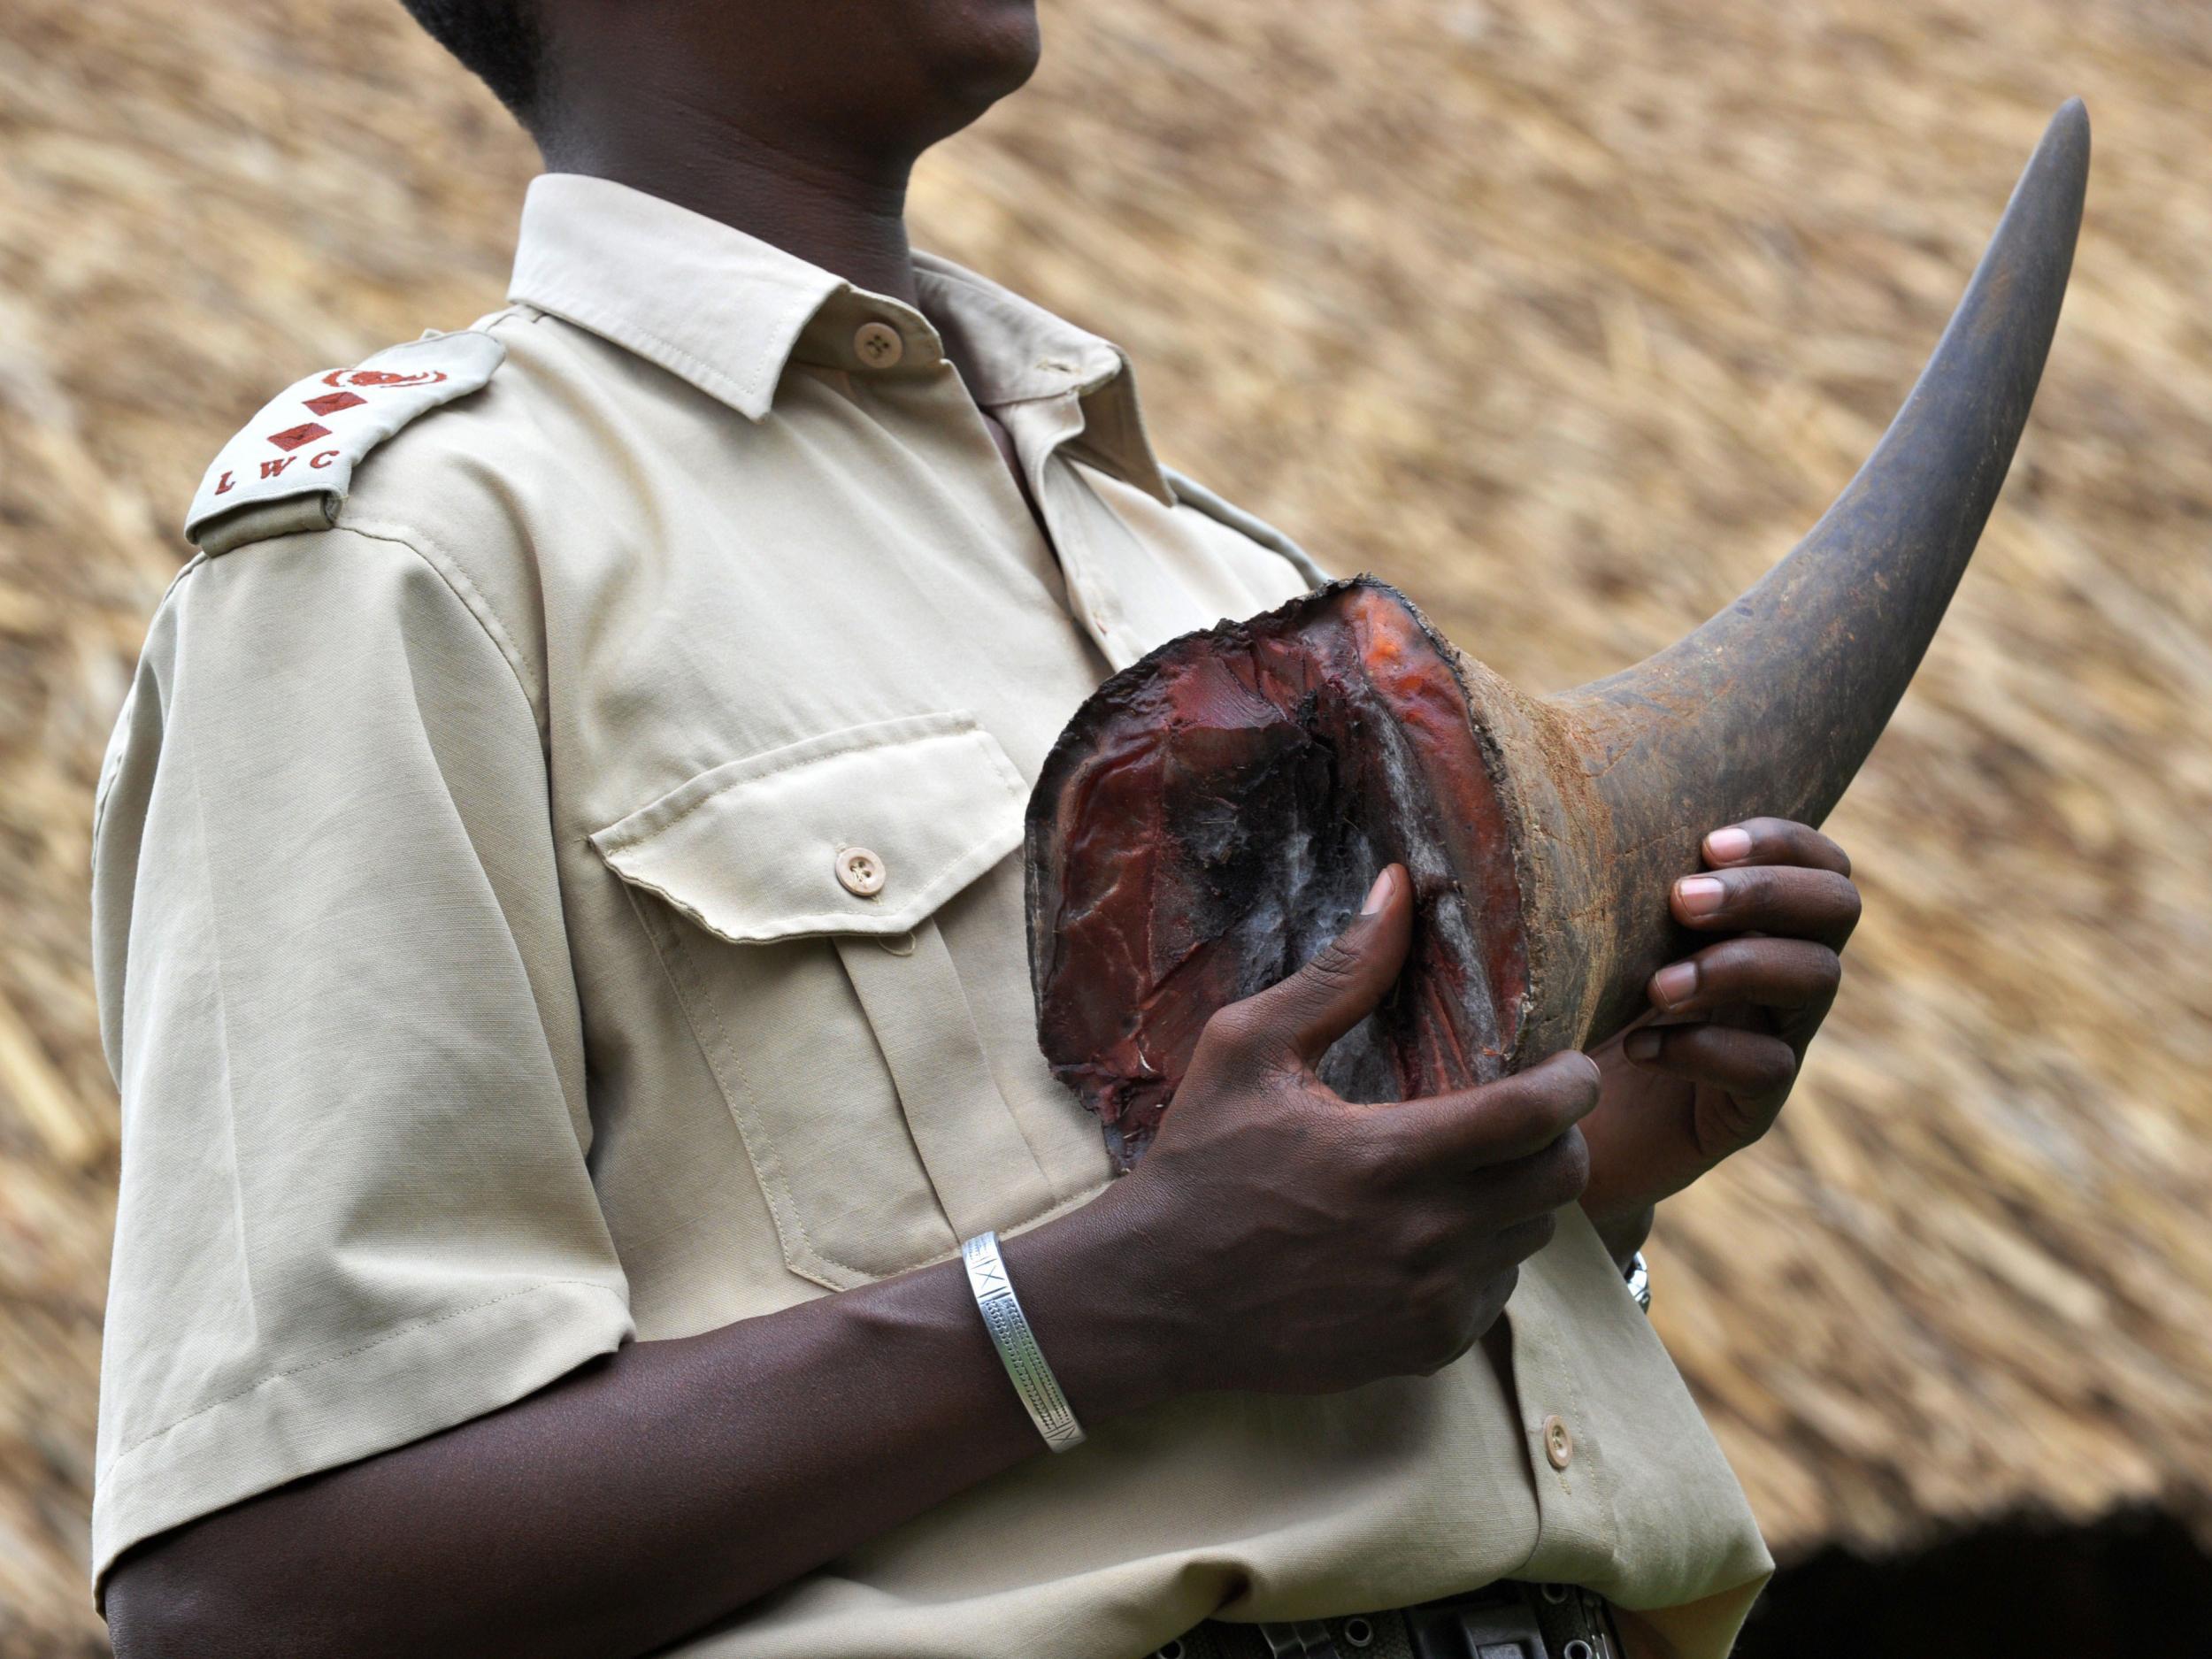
pixel 1701 896
pixel 1642 1045
pixel 1672 986
pixel 1728 845
pixel 1378 895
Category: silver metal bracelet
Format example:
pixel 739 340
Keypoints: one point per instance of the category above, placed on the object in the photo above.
pixel 1639 1278
pixel 1016 1345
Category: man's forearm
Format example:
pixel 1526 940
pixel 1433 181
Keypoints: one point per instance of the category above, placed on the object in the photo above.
pixel 643 1495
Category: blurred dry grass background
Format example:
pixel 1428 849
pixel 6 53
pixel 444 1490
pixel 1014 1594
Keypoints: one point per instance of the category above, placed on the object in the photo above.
pixel 1566 317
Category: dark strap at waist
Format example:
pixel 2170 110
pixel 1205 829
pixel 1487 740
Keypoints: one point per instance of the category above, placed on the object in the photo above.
pixel 1503 1621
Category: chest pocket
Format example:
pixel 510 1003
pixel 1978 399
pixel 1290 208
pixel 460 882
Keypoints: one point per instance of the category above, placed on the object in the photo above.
pixel 795 897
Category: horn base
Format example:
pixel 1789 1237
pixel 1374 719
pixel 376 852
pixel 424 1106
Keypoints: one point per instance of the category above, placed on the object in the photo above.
pixel 1215 815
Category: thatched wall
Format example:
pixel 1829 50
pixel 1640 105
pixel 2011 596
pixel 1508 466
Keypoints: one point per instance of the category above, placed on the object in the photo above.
pixel 1566 318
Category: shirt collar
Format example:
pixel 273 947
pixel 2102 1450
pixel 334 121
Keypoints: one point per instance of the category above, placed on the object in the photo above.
pixel 729 312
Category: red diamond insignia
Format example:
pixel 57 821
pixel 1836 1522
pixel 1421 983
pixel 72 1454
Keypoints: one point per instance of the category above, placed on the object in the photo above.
pixel 331 402
pixel 298 435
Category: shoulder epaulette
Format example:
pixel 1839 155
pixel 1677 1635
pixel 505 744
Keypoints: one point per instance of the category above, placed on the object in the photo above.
pixel 299 452
pixel 1194 494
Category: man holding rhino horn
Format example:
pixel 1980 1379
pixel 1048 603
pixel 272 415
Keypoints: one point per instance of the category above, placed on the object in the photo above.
pixel 590 1185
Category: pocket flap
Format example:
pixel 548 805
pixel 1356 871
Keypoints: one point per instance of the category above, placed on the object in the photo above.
pixel 756 850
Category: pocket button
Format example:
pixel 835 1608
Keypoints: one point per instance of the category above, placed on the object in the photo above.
pixel 859 872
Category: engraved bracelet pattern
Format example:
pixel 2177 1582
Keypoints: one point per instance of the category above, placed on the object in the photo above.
pixel 1016 1346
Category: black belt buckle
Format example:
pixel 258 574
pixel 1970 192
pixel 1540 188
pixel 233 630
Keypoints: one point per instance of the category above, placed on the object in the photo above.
pixel 1507 1631
pixel 1534 1622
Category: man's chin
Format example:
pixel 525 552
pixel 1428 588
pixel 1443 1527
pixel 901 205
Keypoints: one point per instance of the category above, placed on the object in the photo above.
pixel 997 53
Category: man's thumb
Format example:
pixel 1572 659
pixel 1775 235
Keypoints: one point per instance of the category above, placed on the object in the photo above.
pixel 1349 976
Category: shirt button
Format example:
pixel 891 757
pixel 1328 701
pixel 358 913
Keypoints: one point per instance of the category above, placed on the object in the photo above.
pixel 1559 1444
pixel 859 872
pixel 878 345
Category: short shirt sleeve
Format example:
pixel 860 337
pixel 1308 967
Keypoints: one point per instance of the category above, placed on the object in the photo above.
pixel 336 993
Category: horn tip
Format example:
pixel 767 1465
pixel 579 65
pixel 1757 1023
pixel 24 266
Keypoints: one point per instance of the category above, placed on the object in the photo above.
pixel 2069 125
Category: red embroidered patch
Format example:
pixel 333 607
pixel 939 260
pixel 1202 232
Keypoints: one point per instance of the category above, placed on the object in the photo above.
pixel 292 438
pixel 381 377
pixel 331 402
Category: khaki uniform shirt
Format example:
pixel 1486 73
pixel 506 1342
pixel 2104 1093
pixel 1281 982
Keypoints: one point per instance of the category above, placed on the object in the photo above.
pixel 483 993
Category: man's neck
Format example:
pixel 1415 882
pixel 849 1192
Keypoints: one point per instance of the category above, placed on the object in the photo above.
pixel 846 214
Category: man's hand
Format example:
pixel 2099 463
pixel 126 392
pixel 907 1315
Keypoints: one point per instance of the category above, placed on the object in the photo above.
pixel 1706 1073
pixel 1278 1238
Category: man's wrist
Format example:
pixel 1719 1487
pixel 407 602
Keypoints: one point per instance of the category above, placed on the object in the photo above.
pixel 1625 1233
pixel 1102 1326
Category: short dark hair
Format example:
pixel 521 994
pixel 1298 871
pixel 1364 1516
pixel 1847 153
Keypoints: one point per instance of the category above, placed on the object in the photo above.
pixel 498 38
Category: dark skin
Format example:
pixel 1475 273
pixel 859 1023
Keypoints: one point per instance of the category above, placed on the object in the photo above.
pixel 1275 1237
